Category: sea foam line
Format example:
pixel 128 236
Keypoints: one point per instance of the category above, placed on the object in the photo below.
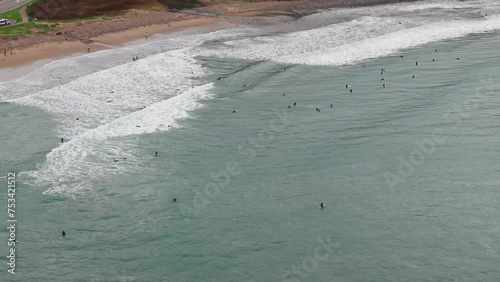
pixel 71 167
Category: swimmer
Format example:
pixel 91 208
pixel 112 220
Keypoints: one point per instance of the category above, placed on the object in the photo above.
pixel 433 60
pixel 283 94
pixel 295 104
pixel 401 56
pixel 416 63
pixel 413 76
pixel 63 233
pixel 382 78
pixel 383 85
pixel 235 111
pixel 347 86
pixel 219 78
pixel 350 90
pixel 62 140
pixel 331 105
pixel 156 154
pixel 174 200
pixel 77 118
pixel 321 205
pixel 289 107
pixel 115 160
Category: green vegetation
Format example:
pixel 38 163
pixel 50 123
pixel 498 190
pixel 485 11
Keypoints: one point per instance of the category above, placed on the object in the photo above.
pixel 20 30
pixel 14 14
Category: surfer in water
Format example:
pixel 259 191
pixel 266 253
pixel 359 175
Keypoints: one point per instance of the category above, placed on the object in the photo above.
pixel 174 200
pixel 156 154
pixel 63 233
pixel 321 205
pixel 62 140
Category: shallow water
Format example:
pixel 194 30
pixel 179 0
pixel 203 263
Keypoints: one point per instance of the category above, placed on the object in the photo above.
pixel 408 173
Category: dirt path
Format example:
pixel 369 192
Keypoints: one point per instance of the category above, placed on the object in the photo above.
pixel 23 14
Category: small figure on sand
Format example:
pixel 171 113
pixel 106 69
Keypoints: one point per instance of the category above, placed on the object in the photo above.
pixel 146 36
pixel 88 50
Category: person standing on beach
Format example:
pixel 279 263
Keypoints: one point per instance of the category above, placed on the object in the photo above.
pixel 146 36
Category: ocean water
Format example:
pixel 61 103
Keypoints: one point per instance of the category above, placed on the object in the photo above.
pixel 407 166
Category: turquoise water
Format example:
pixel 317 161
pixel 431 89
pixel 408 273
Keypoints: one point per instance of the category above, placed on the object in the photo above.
pixel 249 183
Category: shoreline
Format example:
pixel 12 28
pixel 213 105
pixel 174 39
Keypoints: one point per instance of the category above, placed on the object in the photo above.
pixel 55 50
pixel 76 37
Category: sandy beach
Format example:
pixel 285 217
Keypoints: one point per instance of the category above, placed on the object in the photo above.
pixel 48 50
pixel 78 37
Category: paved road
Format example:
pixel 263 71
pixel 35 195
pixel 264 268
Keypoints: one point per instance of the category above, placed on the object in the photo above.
pixel 7 5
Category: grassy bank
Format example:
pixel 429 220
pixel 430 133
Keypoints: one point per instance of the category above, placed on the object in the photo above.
pixel 24 29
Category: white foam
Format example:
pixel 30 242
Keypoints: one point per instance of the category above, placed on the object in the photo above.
pixel 349 42
pixel 163 78
pixel 104 96
pixel 391 43
pixel 63 71
pixel 71 167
